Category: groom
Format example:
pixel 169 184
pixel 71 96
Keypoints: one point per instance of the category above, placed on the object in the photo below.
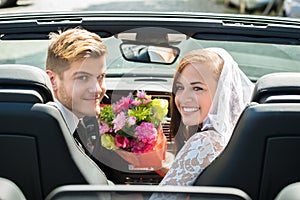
pixel 76 65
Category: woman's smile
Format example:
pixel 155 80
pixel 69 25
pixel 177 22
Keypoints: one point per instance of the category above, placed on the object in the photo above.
pixel 190 109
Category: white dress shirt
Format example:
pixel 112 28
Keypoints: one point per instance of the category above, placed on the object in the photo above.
pixel 71 119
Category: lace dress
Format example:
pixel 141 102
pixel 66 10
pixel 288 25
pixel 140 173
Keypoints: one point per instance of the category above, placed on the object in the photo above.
pixel 198 152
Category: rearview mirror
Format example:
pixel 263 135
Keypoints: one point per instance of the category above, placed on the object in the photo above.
pixel 149 53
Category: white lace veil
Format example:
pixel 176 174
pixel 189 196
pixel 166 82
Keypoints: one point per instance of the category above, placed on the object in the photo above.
pixel 233 93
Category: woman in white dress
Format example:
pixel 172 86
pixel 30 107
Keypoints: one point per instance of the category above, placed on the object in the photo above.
pixel 210 92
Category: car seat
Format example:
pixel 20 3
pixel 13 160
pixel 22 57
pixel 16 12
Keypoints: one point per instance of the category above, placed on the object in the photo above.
pixel 289 192
pixel 277 87
pixel 37 151
pixel 261 156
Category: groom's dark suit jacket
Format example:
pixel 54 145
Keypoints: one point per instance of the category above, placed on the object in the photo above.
pixel 87 135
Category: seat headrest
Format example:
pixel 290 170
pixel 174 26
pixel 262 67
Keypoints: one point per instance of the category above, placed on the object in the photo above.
pixel 9 190
pixel 291 192
pixel 17 76
pixel 284 84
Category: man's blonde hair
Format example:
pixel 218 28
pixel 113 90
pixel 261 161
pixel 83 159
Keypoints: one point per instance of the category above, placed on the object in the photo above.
pixel 70 46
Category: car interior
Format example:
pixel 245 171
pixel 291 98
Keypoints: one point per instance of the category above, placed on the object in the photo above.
pixel 260 159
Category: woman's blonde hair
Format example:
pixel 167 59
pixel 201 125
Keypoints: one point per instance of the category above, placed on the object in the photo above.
pixel 210 58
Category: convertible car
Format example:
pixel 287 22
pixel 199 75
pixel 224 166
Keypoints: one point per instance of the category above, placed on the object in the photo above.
pixel 40 159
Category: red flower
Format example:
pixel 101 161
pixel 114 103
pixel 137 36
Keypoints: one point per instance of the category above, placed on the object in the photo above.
pixel 122 142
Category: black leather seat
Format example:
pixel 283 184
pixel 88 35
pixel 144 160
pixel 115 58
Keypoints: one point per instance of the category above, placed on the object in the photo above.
pixel 37 151
pixel 262 155
pixel 25 84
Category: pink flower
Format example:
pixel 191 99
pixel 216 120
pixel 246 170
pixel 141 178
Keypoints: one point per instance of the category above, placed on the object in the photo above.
pixel 122 142
pixel 146 101
pixel 146 132
pixel 103 128
pixel 136 103
pixel 131 120
pixel 140 147
pixel 123 104
pixel 141 95
pixel 119 121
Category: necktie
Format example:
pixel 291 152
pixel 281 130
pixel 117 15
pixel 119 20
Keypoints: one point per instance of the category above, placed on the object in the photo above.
pixel 87 134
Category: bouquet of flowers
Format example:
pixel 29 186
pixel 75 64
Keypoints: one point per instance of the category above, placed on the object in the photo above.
pixel 132 128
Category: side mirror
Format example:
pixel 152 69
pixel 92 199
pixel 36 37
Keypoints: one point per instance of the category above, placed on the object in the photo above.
pixel 151 53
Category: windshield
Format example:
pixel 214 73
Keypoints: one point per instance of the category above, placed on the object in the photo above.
pixel 254 59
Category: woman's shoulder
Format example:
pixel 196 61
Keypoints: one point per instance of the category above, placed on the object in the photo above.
pixel 211 136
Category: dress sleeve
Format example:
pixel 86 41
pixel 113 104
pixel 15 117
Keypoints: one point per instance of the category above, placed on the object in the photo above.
pixel 198 152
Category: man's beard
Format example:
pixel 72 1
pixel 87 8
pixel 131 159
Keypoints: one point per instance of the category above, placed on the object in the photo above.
pixel 64 98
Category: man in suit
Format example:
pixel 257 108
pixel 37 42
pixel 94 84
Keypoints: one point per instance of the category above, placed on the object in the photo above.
pixel 76 65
